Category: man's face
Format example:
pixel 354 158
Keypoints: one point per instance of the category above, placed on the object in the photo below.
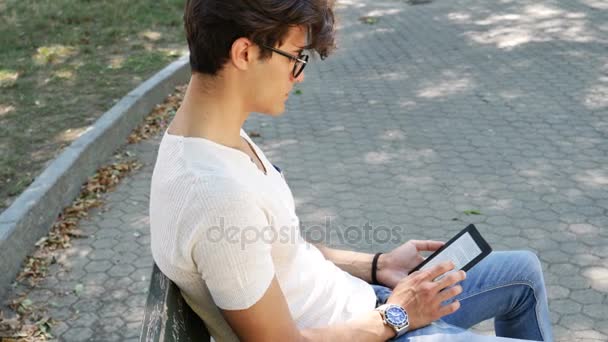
pixel 272 79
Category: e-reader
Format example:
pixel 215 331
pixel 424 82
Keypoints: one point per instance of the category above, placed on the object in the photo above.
pixel 465 250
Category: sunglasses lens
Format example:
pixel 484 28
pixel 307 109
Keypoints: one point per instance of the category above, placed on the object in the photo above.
pixel 299 66
pixel 297 69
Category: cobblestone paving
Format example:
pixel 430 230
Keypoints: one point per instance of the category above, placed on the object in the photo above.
pixel 433 112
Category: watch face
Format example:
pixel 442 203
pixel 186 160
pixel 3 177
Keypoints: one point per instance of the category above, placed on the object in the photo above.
pixel 396 316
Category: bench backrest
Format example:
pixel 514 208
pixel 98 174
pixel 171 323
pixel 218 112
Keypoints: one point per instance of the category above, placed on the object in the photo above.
pixel 167 316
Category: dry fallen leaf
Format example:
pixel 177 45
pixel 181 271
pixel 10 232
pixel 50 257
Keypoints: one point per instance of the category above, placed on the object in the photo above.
pixel 8 324
pixel 159 118
pixel 77 233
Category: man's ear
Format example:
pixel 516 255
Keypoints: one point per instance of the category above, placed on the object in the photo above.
pixel 243 51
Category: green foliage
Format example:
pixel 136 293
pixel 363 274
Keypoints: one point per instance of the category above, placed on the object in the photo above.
pixel 65 62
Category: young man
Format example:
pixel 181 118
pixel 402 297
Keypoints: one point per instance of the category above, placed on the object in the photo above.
pixel 223 220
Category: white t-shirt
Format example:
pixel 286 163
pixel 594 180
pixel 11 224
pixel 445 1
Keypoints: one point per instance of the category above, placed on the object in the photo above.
pixel 221 230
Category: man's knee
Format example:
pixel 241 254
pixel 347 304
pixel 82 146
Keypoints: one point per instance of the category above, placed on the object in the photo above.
pixel 530 259
pixel 529 263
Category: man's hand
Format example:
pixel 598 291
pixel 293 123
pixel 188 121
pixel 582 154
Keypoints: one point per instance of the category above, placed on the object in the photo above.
pixel 395 265
pixel 422 297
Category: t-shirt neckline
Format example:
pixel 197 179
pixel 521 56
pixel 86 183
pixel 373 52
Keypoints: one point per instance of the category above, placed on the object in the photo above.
pixel 232 151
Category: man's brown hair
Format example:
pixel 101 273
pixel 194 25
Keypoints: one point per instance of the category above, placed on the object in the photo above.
pixel 213 25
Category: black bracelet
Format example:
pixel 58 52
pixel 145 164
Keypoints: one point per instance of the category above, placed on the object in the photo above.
pixel 374 268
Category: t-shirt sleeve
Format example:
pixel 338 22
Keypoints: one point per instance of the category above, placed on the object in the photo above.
pixel 232 251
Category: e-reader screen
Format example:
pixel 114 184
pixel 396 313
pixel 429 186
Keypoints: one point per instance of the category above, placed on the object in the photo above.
pixel 465 250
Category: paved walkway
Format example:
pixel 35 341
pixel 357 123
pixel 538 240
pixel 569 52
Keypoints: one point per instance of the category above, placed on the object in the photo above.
pixel 438 109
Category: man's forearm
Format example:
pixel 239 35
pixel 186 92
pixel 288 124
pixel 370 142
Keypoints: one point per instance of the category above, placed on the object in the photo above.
pixel 366 327
pixel 356 263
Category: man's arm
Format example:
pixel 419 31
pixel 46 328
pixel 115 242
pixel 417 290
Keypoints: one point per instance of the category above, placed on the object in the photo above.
pixel 356 263
pixel 392 266
pixel 270 320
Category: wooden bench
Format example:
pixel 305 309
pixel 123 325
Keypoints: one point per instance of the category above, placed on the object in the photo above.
pixel 167 316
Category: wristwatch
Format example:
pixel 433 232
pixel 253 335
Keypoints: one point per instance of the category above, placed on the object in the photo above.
pixel 395 317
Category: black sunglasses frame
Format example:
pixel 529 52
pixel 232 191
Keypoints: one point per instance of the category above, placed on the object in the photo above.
pixel 302 59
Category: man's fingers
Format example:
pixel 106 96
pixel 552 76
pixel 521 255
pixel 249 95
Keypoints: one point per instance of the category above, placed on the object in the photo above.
pixel 440 269
pixel 449 309
pixel 451 279
pixel 449 293
pixel 427 245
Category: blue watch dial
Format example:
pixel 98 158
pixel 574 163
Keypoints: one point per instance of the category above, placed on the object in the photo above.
pixel 396 316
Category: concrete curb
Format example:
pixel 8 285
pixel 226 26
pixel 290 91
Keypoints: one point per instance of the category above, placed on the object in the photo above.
pixel 34 211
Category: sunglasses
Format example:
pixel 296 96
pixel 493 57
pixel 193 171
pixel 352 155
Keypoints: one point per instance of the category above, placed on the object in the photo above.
pixel 300 61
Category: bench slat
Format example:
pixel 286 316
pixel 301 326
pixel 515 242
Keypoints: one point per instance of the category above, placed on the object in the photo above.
pixel 168 318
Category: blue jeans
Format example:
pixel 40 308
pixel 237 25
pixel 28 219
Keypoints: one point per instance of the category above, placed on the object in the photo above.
pixel 506 286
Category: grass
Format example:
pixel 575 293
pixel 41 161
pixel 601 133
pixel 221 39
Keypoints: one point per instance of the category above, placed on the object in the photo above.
pixel 63 63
